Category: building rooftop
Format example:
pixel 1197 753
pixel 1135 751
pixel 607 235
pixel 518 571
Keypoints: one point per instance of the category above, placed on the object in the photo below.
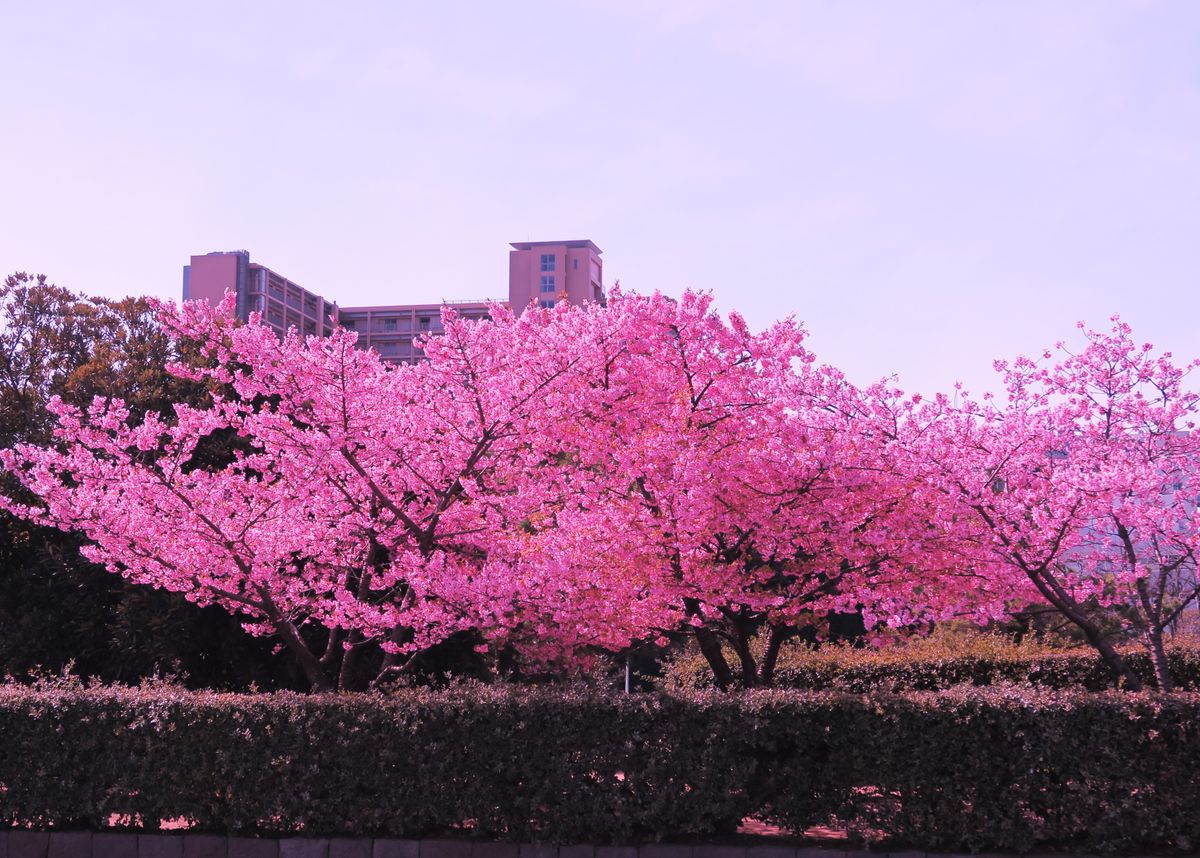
pixel 577 242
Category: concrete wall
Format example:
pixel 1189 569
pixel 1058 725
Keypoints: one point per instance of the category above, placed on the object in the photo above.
pixel 210 276
pixel 577 273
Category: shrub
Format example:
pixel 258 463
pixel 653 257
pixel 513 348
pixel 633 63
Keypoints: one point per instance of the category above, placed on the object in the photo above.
pixel 968 769
pixel 498 762
pixel 988 769
pixel 943 662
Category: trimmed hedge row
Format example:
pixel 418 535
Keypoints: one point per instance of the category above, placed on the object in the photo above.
pixel 968 769
pixel 935 668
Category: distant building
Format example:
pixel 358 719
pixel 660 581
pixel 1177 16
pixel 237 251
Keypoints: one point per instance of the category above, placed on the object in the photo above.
pixel 543 272
pixel 390 330
pixel 283 304
pixel 547 272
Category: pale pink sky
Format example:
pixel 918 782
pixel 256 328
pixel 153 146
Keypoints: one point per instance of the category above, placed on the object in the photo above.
pixel 927 185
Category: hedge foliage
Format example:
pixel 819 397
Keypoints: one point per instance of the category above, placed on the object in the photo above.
pixel 943 662
pixel 969 769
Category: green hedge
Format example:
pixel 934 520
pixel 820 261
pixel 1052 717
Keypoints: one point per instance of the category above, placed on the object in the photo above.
pixel 942 664
pixel 968 769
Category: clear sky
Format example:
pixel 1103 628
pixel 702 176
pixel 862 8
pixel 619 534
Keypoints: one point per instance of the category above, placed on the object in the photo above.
pixel 927 185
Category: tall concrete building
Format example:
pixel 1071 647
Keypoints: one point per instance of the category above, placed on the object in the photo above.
pixel 541 272
pixel 283 304
pixel 547 272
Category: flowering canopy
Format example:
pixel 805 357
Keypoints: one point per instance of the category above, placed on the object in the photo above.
pixel 1085 481
pixel 589 477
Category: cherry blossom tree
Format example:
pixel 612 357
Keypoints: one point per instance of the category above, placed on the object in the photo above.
pixel 754 489
pixel 574 479
pixel 1085 481
pixel 390 508
pixel 353 500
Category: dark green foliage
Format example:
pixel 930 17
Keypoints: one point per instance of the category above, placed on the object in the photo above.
pixel 968 769
pixel 60 610
pixel 57 609
pixel 521 765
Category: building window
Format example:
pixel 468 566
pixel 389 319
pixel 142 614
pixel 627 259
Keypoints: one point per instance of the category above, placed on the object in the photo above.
pixel 348 324
pixel 545 305
pixel 389 324
pixel 423 323
pixel 547 261
pixel 547 282
pixel 574 264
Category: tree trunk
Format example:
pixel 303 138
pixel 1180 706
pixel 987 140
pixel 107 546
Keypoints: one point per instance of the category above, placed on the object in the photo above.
pixel 393 662
pixel 1053 592
pixel 314 671
pixel 1152 610
pixel 1158 659
pixel 1114 660
pixel 745 656
pixel 349 660
pixel 766 673
pixel 710 647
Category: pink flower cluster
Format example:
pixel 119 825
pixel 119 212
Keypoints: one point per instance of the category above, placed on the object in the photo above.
pixel 590 477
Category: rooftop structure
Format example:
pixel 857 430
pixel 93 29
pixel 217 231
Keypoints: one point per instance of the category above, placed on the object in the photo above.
pixel 542 272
